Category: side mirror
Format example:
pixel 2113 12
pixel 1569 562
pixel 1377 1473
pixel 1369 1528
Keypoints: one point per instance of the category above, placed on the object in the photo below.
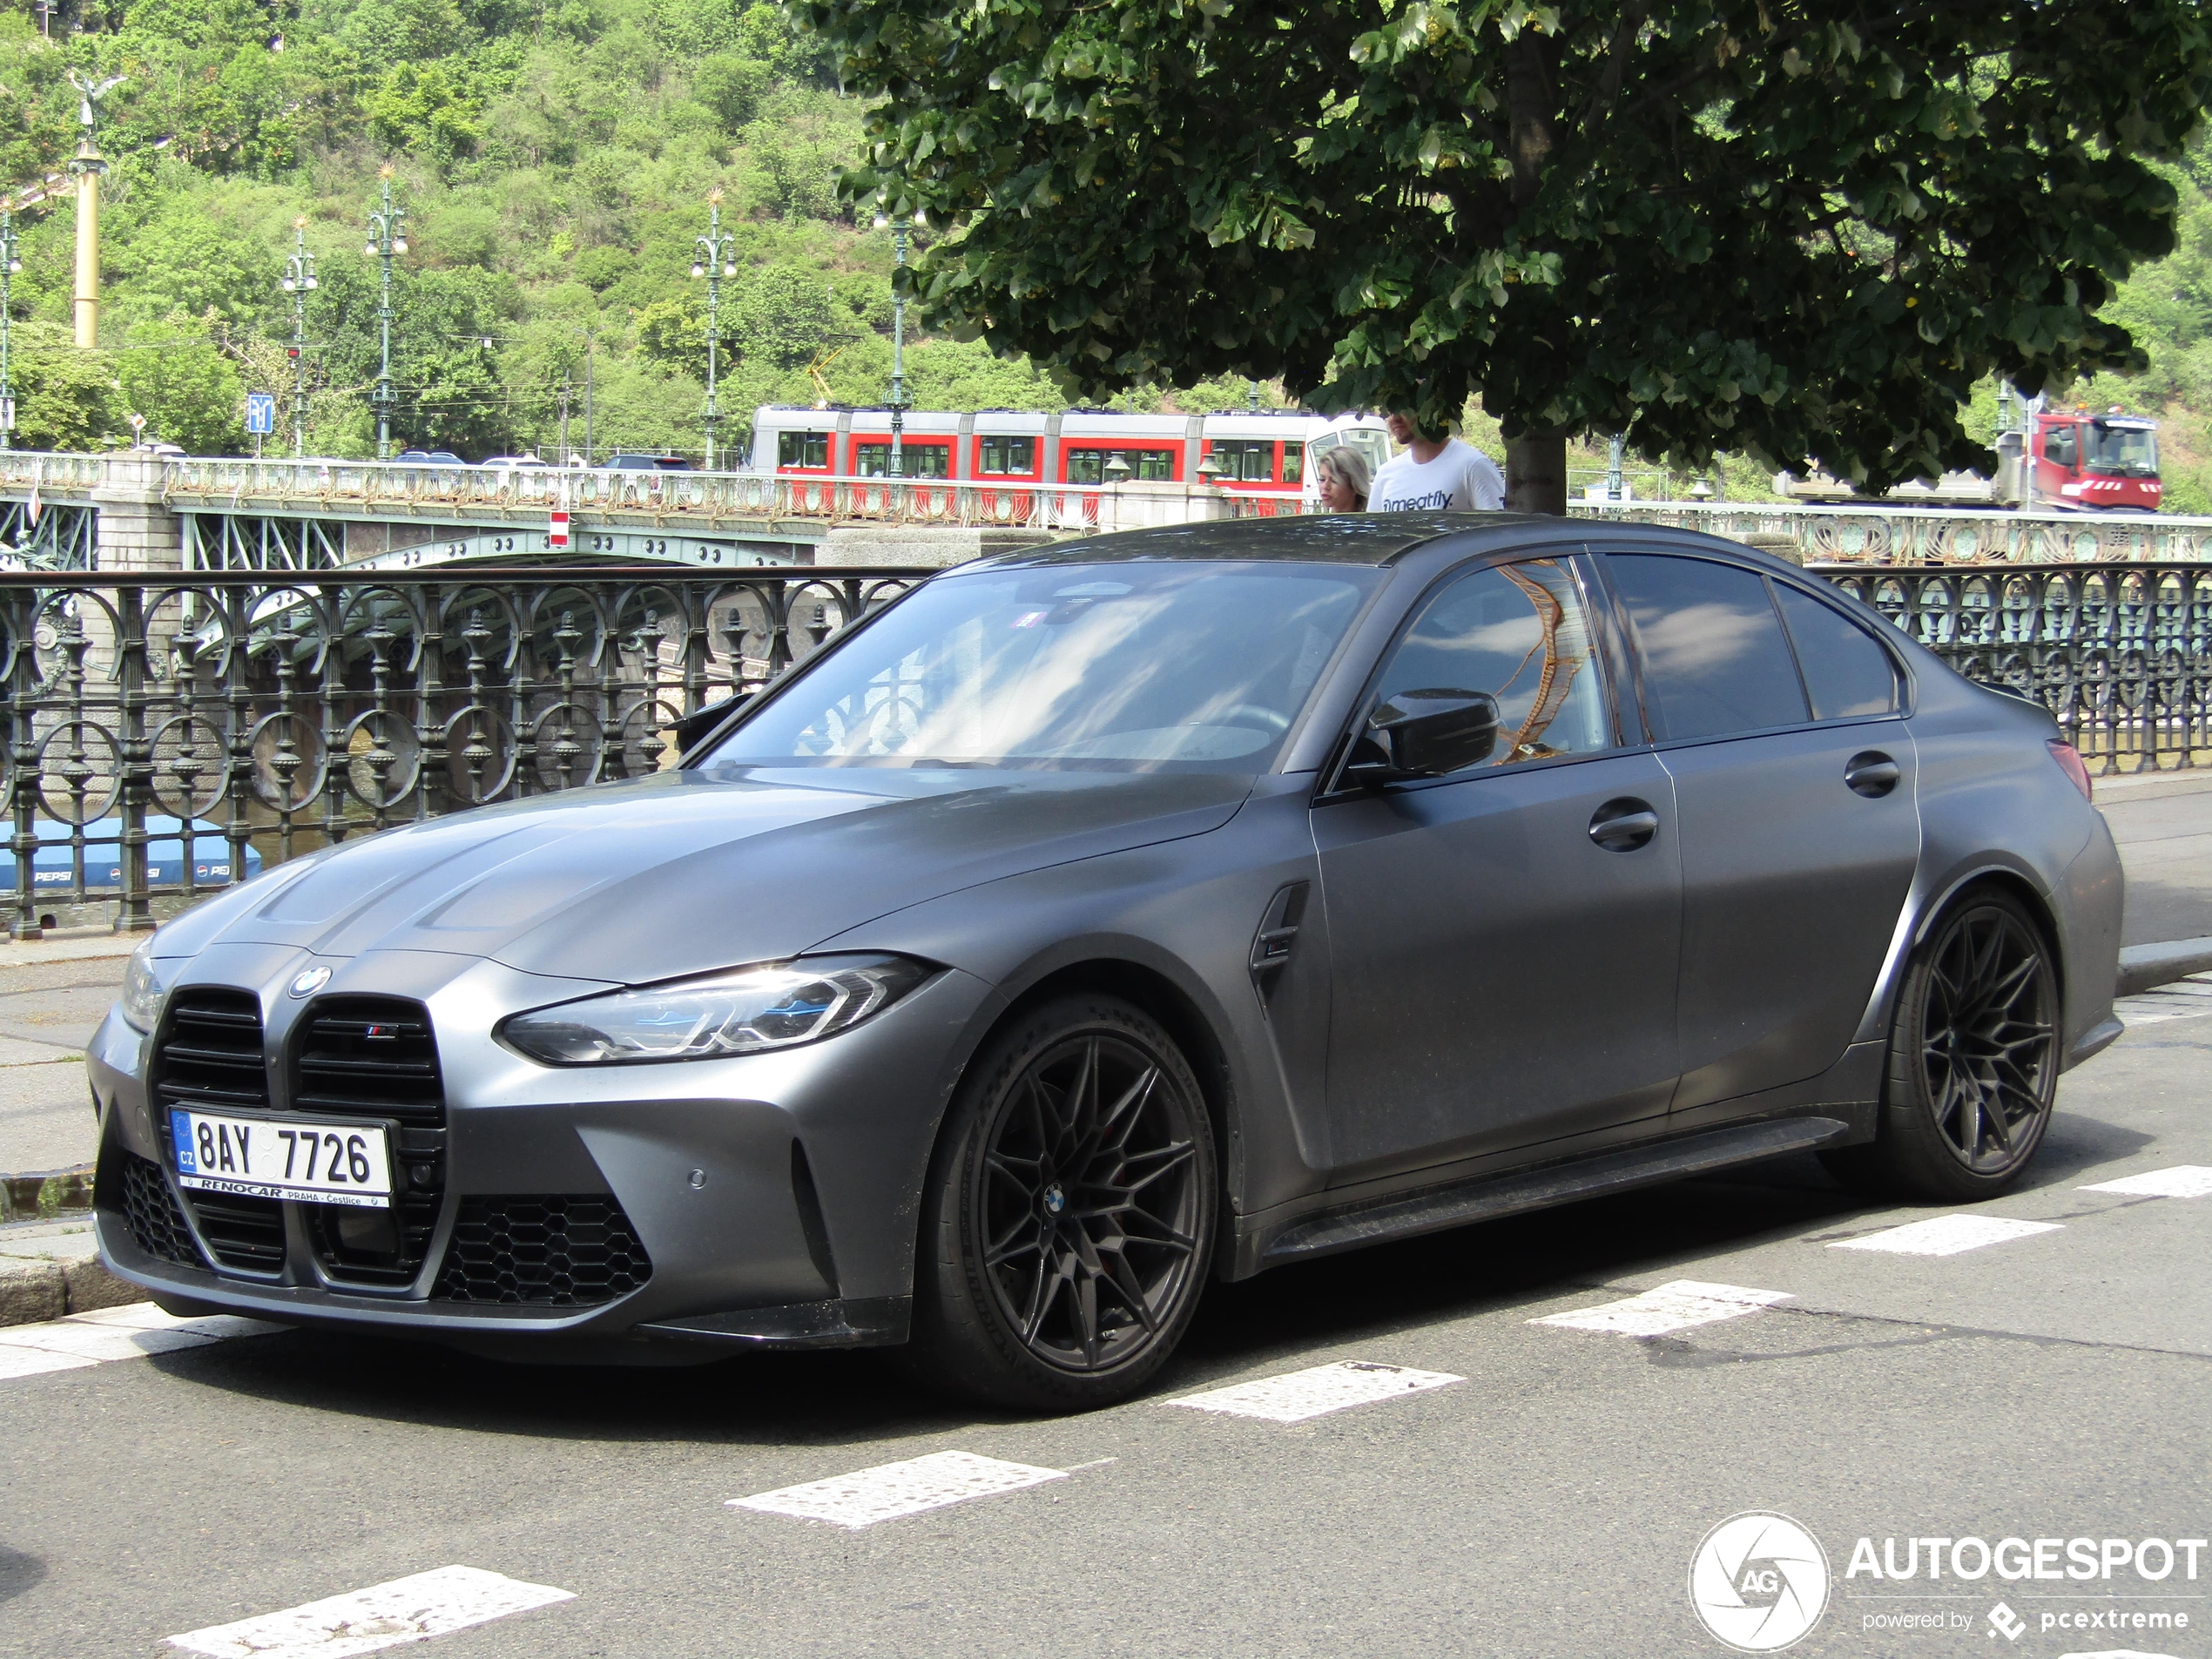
pixel 693 729
pixel 1425 734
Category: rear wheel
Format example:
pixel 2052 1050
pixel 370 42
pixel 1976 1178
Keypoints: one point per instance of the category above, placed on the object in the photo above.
pixel 1068 1220
pixel 1974 1064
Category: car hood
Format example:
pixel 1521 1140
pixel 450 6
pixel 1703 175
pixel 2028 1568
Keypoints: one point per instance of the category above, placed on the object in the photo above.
pixel 688 872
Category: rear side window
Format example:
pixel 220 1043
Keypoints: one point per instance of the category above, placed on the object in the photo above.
pixel 1845 671
pixel 1715 660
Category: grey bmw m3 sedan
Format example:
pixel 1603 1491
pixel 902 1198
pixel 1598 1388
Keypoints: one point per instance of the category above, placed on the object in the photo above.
pixel 1095 921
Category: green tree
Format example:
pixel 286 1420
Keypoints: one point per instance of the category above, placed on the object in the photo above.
pixel 1795 227
pixel 65 398
pixel 174 375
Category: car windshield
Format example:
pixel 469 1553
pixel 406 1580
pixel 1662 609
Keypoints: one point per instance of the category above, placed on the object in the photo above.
pixel 2123 448
pixel 1183 667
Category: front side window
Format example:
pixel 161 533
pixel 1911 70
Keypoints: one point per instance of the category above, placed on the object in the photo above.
pixel 2058 445
pixel 1178 667
pixel 915 461
pixel 802 448
pixel 1715 660
pixel 1520 632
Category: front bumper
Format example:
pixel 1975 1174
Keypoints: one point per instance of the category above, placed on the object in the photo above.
pixel 768 1200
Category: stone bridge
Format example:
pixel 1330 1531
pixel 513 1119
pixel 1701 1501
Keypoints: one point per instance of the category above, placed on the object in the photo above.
pixel 133 510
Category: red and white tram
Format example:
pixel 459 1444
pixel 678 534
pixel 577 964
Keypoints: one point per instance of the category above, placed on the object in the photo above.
pixel 1269 455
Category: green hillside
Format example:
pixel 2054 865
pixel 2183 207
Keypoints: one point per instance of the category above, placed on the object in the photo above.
pixel 554 158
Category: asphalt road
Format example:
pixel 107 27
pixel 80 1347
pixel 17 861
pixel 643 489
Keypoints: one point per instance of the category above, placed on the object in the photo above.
pixel 2058 1385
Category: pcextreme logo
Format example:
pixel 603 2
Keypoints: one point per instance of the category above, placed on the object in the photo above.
pixel 1758 1582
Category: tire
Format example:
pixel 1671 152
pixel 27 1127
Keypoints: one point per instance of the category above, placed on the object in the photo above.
pixel 1068 1215
pixel 1973 1060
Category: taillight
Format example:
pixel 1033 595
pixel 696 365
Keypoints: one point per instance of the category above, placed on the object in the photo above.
pixel 2069 761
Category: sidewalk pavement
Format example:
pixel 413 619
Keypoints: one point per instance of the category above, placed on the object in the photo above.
pixel 53 994
pixel 2163 823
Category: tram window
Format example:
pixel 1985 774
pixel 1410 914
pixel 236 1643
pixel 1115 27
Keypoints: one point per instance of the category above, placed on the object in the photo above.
pixel 1145 466
pixel 1248 460
pixel 802 448
pixel 1002 456
pixel 915 461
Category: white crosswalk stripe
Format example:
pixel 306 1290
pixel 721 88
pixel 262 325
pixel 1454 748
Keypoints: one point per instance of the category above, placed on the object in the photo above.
pixel 1679 1305
pixel 1317 1391
pixel 2184 998
pixel 2181 1180
pixel 891 1491
pixel 383 1616
pixel 1947 1235
pixel 128 1332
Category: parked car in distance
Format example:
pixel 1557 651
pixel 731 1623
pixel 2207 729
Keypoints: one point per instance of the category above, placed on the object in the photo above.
pixel 1099 920
pixel 647 463
pixel 431 457
pixel 509 463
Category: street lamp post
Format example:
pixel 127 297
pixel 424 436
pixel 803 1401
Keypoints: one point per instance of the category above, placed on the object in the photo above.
pixel 898 342
pixel 717 259
pixel 299 278
pixel 387 236
pixel 8 265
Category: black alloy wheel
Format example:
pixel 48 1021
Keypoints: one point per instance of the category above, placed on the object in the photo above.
pixel 1989 1038
pixel 1073 1205
pixel 1974 1059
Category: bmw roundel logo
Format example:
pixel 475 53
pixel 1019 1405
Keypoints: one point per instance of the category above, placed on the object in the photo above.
pixel 311 981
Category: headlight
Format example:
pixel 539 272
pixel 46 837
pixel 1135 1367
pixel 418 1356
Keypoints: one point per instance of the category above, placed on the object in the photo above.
pixel 776 1005
pixel 142 988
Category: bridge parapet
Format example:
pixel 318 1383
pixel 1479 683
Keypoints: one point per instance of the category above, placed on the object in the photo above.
pixel 395 514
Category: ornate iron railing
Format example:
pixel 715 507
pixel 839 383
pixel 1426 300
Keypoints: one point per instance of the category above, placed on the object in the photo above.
pixel 276 717
pixel 274 714
pixel 2121 655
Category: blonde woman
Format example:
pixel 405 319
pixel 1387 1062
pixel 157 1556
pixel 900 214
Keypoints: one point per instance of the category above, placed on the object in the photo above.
pixel 1344 480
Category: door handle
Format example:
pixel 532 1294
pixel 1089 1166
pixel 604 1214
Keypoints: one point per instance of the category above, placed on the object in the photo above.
pixel 1624 825
pixel 1872 773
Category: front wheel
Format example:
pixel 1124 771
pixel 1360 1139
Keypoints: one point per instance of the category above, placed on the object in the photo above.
pixel 1974 1064
pixel 1068 1217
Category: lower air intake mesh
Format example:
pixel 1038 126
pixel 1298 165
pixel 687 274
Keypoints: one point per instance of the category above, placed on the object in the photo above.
pixel 551 1251
pixel 149 1209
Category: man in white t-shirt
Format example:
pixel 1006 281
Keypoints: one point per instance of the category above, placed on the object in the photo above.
pixel 1435 473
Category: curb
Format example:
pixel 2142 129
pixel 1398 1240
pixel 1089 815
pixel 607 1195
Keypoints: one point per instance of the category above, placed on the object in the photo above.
pixel 32 1293
pixel 2145 967
pixel 37 1197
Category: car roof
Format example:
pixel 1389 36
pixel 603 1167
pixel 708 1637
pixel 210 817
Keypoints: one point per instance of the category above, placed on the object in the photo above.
pixel 1330 538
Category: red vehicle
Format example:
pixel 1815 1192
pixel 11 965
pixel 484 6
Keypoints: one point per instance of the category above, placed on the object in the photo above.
pixel 2095 461
pixel 1009 458
pixel 2069 460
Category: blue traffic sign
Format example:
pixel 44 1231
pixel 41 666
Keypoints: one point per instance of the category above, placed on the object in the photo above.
pixel 260 411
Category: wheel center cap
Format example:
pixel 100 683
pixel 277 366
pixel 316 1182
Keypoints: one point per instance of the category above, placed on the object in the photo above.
pixel 1055 1199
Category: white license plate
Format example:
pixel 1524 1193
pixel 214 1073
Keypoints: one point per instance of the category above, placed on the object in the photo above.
pixel 262 1157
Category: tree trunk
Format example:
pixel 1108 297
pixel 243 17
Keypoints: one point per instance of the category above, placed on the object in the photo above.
pixel 1536 473
pixel 1536 464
